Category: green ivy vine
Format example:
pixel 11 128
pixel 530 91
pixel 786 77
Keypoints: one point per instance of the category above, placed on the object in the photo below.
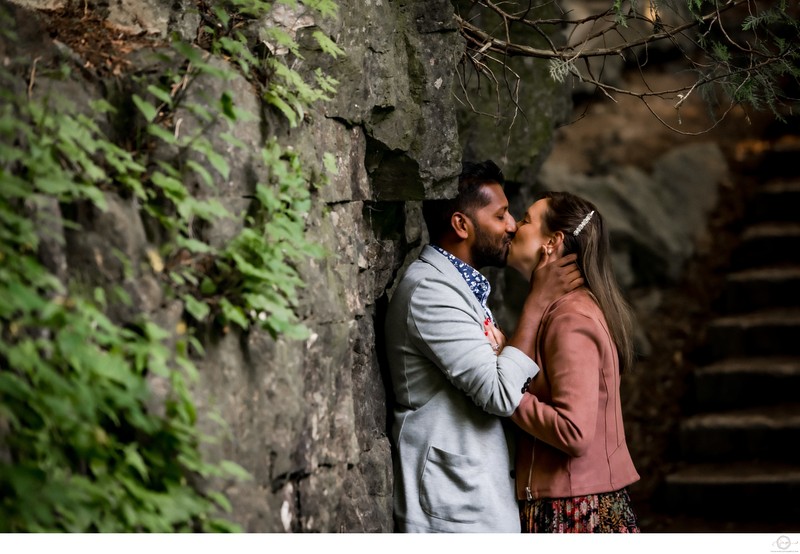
pixel 84 444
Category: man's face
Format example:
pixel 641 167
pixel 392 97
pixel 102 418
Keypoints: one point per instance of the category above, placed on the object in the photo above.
pixel 494 229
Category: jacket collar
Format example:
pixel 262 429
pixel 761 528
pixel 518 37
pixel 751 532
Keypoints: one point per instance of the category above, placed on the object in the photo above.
pixel 435 258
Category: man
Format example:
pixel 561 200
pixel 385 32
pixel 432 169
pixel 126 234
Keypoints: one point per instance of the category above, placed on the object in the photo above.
pixel 452 462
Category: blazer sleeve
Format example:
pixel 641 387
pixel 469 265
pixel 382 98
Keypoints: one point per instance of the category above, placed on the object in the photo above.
pixel 572 359
pixel 446 328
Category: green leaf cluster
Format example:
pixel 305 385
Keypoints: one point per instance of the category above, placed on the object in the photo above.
pixel 84 443
pixel 82 447
pixel 254 279
pixel 283 84
pixel 266 254
pixel 734 74
pixel 756 64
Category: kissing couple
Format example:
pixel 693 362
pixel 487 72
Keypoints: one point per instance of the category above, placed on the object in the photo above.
pixel 521 433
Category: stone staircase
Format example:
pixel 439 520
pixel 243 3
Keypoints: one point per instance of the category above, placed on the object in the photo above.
pixel 738 444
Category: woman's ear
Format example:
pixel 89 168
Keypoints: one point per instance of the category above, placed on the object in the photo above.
pixel 557 242
pixel 461 225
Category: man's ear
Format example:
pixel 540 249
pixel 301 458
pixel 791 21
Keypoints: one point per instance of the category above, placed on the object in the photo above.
pixel 461 225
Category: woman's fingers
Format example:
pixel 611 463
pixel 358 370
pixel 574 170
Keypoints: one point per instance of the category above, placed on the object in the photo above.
pixel 495 336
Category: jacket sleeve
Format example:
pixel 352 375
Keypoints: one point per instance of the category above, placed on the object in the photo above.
pixel 446 328
pixel 572 361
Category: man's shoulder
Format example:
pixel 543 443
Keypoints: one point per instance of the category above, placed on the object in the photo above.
pixel 425 266
pixel 424 281
pixel 422 284
pixel 422 274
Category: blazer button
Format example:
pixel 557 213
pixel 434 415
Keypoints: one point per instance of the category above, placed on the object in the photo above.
pixel 525 386
pixel 512 474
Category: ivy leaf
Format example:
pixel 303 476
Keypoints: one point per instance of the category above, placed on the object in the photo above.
pixel 202 172
pixel 134 459
pixel 207 286
pixel 221 501
pixel 222 14
pixel 235 470
pixel 171 186
pixel 327 45
pixel 159 132
pixel 197 309
pixel 195 246
pixel 233 313
pixel 161 94
pixel 148 110
pixel 12 386
pixel 215 159
pixel 274 99
pixel 226 104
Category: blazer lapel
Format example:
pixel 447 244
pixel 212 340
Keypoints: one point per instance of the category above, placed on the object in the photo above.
pixel 435 258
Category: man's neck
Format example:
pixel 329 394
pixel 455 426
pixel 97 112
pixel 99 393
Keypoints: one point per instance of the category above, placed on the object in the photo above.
pixel 459 250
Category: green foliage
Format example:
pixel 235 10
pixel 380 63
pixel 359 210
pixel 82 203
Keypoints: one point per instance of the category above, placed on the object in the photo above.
pixel 733 75
pixel 756 64
pixel 83 450
pixel 282 83
pixel 264 260
pixel 84 444
pixel 695 5
pixel 253 280
pixel 620 16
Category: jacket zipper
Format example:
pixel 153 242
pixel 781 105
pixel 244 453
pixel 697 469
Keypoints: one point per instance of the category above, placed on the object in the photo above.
pixel 528 494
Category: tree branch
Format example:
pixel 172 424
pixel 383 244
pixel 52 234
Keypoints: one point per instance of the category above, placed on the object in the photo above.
pixel 476 34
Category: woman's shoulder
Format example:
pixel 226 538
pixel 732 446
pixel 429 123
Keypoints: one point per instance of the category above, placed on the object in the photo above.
pixel 576 310
pixel 580 300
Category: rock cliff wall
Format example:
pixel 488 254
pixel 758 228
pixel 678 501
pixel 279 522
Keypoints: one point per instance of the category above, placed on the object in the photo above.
pixel 308 419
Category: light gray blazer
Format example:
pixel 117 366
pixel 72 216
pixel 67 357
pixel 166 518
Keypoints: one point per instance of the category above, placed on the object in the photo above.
pixel 452 458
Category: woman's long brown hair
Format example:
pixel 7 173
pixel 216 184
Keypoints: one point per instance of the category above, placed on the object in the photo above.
pixel 565 212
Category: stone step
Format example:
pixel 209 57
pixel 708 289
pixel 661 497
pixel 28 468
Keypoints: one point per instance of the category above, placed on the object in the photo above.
pixel 776 201
pixel 780 160
pixel 762 288
pixel 745 382
pixel 750 491
pixel 764 433
pixel 768 244
pixel 763 333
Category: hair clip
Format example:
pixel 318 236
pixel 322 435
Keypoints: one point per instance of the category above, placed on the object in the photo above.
pixel 583 223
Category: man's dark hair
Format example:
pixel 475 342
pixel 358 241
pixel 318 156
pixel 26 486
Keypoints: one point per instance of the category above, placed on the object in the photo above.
pixel 470 197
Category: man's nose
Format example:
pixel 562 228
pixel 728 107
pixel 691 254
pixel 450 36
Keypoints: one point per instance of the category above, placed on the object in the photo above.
pixel 511 226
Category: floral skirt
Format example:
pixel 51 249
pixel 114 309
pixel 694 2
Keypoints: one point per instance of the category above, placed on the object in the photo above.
pixel 608 512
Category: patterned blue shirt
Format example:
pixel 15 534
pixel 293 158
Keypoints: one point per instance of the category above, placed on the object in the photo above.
pixel 477 283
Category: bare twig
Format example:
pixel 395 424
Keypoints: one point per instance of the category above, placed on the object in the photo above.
pixel 508 48
pixel 32 78
pixel 750 57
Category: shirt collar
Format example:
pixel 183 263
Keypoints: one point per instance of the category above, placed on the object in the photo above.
pixel 478 284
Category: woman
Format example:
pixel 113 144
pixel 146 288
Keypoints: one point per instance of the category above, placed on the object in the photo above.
pixel 572 461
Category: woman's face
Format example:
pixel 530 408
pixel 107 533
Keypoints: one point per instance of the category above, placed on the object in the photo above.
pixel 526 248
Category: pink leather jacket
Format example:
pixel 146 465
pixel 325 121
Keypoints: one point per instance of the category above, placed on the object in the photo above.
pixel 574 440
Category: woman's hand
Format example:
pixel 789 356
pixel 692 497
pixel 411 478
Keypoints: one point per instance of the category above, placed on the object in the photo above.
pixel 496 337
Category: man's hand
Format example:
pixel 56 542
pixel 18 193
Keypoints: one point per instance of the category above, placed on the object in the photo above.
pixel 554 277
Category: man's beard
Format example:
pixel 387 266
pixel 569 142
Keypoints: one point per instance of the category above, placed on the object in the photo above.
pixel 488 251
